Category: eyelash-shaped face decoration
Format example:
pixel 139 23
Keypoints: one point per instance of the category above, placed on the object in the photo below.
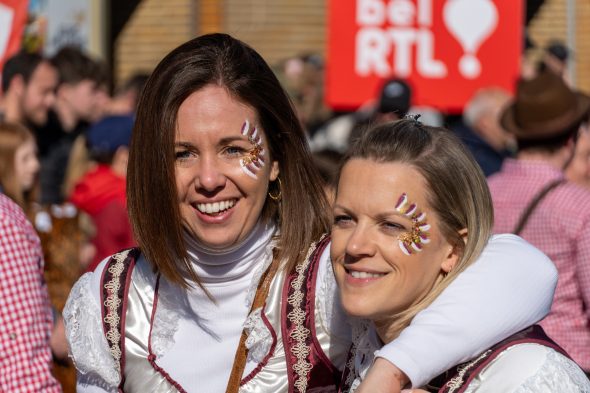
pixel 254 160
pixel 414 240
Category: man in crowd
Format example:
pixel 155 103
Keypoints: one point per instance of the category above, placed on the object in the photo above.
pixel 28 89
pixel 481 131
pixel 77 94
pixel 532 198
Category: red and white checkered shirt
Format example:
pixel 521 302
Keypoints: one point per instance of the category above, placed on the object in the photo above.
pixel 25 313
pixel 560 227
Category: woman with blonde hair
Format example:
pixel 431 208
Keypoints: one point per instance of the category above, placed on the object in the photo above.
pixel 424 217
pixel 231 288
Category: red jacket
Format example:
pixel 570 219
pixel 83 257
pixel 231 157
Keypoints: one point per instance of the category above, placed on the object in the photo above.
pixel 101 194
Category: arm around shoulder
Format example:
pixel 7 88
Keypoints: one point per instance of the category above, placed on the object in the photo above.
pixel 508 288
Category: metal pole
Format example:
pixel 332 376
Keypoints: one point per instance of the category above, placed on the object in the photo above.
pixel 571 38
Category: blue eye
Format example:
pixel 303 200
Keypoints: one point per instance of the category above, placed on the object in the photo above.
pixel 234 151
pixel 182 155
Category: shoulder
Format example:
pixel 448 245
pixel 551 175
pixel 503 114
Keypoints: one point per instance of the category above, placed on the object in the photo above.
pixel 530 368
pixel 10 212
pixel 509 244
pixel 577 196
pixel 84 328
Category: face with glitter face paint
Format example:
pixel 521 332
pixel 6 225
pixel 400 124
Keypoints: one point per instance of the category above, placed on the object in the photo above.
pixel 377 278
pixel 254 160
pixel 415 239
pixel 220 202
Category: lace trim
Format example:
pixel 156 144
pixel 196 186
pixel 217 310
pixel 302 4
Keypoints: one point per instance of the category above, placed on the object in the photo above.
pixel 88 347
pixel 558 374
pixel 297 317
pixel 112 303
pixel 456 382
pixel 259 339
pixel 166 320
pixel 327 293
pixel 262 267
pixel 363 353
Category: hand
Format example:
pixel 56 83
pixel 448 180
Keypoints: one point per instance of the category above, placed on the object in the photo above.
pixel 383 377
pixel 58 342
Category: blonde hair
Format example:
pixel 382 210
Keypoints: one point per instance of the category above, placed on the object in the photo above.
pixel 457 190
pixel 13 136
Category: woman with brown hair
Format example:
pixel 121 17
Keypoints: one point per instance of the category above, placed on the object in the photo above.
pixel 425 217
pixel 18 164
pixel 231 288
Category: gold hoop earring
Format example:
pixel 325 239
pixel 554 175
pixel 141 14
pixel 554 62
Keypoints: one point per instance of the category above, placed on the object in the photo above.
pixel 277 196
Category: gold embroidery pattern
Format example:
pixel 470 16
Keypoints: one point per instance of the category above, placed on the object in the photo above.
pixel 456 382
pixel 297 317
pixel 112 303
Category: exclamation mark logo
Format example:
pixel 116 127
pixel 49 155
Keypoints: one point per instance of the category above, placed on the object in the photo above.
pixel 471 22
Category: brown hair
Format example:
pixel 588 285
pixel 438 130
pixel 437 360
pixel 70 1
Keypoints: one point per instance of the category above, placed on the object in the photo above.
pixel 303 214
pixel 457 189
pixel 12 136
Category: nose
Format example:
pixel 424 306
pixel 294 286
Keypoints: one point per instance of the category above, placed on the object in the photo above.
pixel 35 165
pixel 210 177
pixel 360 243
pixel 50 99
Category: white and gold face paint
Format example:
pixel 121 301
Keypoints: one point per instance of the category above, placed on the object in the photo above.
pixel 254 160
pixel 414 240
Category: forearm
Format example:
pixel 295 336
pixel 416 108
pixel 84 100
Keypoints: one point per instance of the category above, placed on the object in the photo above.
pixel 509 288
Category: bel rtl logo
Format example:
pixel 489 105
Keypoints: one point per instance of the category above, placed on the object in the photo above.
pixel 446 49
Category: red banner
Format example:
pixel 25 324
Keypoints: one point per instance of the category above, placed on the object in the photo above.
pixel 13 17
pixel 446 49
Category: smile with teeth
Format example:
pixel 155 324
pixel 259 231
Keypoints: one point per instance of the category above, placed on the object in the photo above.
pixel 357 274
pixel 215 207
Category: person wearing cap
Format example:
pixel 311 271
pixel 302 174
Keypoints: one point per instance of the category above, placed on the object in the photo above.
pixel 532 198
pixel 392 103
pixel 101 191
pixel 556 58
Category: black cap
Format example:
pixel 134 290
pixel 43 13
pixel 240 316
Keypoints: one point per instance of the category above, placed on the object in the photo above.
pixel 559 50
pixel 395 97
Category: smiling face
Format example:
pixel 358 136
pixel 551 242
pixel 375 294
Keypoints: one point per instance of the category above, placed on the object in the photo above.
pixel 377 278
pixel 26 164
pixel 39 94
pixel 221 194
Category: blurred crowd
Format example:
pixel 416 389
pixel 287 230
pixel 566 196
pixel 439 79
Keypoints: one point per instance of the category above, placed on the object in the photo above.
pixel 64 137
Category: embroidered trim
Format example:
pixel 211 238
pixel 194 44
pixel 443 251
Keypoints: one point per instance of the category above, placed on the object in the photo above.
pixel 456 382
pixel 113 303
pixel 297 317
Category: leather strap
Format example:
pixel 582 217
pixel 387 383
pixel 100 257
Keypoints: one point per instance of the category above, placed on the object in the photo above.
pixel 242 352
pixel 534 203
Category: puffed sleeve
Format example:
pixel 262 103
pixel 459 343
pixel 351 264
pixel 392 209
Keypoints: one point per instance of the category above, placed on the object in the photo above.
pixel 507 289
pixel 96 368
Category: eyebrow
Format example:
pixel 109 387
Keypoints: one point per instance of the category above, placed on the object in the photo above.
pixel 233 138
pixel 379 216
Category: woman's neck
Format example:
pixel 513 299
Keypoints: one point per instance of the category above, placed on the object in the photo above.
pixel 388 329
pixel 224 266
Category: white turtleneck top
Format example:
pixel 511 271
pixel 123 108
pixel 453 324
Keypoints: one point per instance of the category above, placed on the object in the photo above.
pixel 195 340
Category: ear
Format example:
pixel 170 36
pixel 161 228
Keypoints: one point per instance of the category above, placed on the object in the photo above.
pixel 450 261
pixel 17 85
pixel 274 171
